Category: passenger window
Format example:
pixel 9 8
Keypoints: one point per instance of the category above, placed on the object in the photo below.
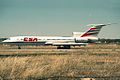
pixel 8 38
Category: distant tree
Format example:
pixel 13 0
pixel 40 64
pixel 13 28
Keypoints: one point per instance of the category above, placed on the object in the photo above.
pixel 107 41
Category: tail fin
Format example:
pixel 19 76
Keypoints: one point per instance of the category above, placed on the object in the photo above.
pixel 94 30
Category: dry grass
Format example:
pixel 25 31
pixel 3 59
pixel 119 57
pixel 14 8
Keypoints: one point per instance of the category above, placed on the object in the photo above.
pixel 90 46
pixel 90 61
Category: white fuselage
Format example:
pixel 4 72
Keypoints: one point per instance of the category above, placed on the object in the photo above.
pixel 49 40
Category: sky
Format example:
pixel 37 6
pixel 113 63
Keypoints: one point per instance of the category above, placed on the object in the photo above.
pixel 58 17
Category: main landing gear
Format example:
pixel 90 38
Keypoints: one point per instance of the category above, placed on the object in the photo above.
pixel 63 47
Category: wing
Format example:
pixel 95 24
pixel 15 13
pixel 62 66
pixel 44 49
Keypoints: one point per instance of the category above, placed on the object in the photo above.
pixel 69 44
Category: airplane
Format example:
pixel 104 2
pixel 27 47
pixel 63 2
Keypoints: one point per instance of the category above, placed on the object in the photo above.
pixel 78 39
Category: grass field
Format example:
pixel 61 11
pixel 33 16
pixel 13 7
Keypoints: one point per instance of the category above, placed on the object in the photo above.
pixel 38 62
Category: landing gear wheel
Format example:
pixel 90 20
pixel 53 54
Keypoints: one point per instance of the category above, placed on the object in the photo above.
pixel 19 47
pixel 66 47
pixel 63 47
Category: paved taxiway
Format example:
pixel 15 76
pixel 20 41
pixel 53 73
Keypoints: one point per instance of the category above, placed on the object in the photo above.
pixel 31 52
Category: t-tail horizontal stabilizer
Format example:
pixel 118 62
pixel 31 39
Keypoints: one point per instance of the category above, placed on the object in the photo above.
pixel 94 30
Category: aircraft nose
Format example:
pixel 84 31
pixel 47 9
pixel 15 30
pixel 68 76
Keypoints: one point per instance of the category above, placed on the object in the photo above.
pixel 6 41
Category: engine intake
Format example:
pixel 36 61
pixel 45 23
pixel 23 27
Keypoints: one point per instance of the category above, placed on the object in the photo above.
pixel 81 40
pixel 85 40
